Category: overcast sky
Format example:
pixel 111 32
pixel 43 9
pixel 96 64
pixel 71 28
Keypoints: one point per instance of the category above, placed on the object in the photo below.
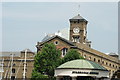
pixel 25 23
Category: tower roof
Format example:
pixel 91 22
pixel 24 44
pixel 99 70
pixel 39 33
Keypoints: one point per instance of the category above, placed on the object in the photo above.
pixel 78 17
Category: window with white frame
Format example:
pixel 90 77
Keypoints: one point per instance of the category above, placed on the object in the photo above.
pixel 64 51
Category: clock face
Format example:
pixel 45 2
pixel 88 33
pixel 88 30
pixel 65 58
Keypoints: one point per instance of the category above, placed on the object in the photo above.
pixel 76 30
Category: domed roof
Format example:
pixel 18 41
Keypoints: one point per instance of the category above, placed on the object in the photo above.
pixel 82 64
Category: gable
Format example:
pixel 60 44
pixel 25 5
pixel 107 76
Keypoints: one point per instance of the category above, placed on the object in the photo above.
pixel 58 41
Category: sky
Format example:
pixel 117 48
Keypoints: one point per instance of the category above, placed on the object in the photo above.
pixel 25 23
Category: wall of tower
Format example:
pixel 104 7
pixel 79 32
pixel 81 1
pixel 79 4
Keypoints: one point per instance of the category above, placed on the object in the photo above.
pixel 82 33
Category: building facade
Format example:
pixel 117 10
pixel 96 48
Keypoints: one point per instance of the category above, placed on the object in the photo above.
pixel 14 65
pixel 78 40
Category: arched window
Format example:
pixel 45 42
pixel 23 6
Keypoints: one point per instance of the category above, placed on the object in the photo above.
pixel 94 59
pixel 113 65
pixel 106 63
pixel 98 60
pixel 64 51
pixel 89 58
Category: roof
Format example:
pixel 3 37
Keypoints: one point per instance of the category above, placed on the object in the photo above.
pixel 16 54
pixel 112 54
pixel 62 33
pixel 9 53
pixel 47 37
pixel 81 64
pixel 28 50
pixel 56 36
pixel 78 17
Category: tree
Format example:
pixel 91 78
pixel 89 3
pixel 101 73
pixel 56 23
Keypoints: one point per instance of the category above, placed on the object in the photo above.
pixel 72 54
pixel 38 76
pixel 46 60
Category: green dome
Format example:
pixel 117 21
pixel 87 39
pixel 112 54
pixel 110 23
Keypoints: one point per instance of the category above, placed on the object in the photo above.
pixel 81 64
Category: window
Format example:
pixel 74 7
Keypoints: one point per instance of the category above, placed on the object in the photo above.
pixel 103 62
pixel 113 65
pixel 106 63
pixel 64 51
pixel 74 21
pixel 25 69
pixel 98 60
pixel 110 64
pixel 89 58
pixel 24 63
pixel 12 77
pixel 56 42
pixel 13 70
pixel 94 59
pixel 76 39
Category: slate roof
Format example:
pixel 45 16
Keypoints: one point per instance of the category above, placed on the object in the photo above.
pixel 56 36
pixel 47 37
pixel 78 17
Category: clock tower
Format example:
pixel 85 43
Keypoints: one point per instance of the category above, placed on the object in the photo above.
pixel 78 29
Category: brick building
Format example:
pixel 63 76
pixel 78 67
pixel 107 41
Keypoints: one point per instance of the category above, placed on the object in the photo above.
pixel 78 40
pixel 13 64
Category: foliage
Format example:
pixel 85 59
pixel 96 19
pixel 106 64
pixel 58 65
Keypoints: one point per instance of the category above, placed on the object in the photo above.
pixel 46 60
pixel 72 54
pixel 38 76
